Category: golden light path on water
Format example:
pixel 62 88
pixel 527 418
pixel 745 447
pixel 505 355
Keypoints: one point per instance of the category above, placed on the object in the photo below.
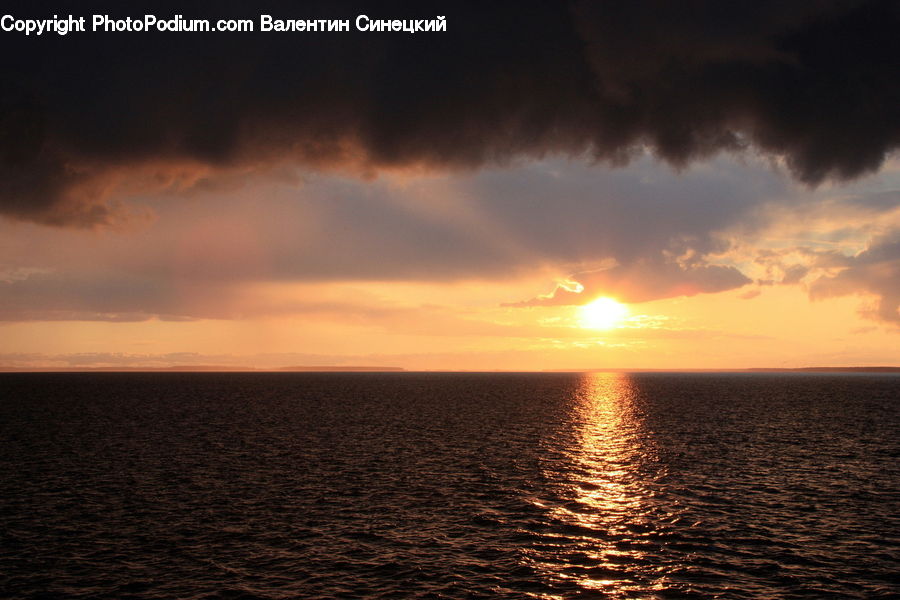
pixel 606 516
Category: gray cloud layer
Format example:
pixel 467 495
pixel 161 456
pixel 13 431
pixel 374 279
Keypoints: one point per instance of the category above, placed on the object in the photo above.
pixel 661 228
pixel 639 233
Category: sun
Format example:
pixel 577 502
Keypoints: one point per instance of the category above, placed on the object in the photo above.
pixel 603 313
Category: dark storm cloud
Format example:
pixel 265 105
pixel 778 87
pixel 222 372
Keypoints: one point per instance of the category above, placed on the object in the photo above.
pixel 814 83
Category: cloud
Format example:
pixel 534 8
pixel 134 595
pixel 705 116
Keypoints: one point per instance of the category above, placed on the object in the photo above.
pixel 875 271
pixel 82 117
pixel 875 202
pixel 780 270
pixel 202 258
pixel 794 274
pixel 664 233
pixel 643 281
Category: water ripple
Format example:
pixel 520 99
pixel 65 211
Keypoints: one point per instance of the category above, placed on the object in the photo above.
pixel 548 486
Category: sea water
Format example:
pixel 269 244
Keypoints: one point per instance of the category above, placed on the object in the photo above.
pixel 440 485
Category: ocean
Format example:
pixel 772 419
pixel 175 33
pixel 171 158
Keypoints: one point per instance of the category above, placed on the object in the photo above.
pixel 449 485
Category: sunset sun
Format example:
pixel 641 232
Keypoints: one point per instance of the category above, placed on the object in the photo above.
pixel 603 313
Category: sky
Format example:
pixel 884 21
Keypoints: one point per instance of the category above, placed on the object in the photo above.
pixel 725 182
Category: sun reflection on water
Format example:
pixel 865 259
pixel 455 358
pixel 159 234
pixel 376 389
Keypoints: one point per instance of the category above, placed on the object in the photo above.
pixel 601 519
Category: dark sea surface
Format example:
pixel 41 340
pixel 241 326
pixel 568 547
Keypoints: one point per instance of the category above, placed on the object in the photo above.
pixel 406 485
